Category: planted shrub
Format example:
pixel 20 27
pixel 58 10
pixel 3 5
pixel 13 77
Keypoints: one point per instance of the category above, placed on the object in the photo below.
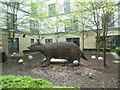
pixel 23 82
pixel 118 50
pixel 95 49
pixel 11 81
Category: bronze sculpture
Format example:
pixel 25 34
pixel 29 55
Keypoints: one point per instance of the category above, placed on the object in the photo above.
pixel 61 50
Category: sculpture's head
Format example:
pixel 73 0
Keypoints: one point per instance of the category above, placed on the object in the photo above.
pixel 38 46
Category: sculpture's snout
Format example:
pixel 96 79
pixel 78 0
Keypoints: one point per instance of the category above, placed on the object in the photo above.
pixel 28 47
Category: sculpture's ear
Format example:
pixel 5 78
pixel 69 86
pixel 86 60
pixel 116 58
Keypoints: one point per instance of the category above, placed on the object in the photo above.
pixel 38 41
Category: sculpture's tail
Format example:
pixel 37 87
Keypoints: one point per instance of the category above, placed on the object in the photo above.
pixel 83 56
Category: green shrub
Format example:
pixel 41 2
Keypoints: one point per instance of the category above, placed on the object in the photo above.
pixel 28 51
pixel 95 49
pixel 17 82
pixel 118 50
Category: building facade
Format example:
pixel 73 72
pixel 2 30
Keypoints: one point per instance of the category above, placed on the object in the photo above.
pixel 61 23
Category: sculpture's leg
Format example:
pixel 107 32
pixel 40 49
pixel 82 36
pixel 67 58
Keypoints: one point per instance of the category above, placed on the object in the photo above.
pixel 43 60
pixel 79 61
pixel 46 62
pixel 70 62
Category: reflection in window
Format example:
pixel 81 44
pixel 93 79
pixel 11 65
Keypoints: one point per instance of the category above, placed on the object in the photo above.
pixel 34 25
pixel 52 9
pixel 11 21
pixel 71 25
pixel 32 41
pixel 110 20
pixel 48 40
pixel 67 6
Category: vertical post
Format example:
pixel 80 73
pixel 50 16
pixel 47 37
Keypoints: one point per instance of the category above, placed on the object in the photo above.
pixel 98 42
pixel 56 33
pixel 83 40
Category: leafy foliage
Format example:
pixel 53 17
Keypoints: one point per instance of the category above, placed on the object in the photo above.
pixel 118 50
pixel 11 81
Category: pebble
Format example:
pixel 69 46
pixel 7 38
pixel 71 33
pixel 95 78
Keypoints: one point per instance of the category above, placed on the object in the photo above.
pixel 93 57
pixel 75 62
pixel 30 57
pixel 100 58
pixel 90 75
pixel 20 61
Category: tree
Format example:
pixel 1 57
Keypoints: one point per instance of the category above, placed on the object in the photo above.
pixel 107 9
pixel 99 12
pixel 12 20
pixel 38 17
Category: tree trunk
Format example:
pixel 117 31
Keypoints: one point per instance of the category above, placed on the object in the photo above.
pixel 97 46
pixel 98 42
pixel 83 41
pixel 13 36
pixel 104 37
pixel 105 61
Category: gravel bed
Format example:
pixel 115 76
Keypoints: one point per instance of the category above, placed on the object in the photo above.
pixel 89 74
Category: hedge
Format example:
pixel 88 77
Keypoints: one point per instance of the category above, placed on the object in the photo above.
pixel 17 82
pixel 95 49
pixel 29 51
pixel 117 49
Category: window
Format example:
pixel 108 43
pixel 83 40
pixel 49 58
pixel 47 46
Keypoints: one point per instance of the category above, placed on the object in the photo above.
pixel 71 25
pixel 67 6
pixel 14 4
pixel 34 25
pixel 11 21
pixel 12 42
pixel 32 41
pixel 52 10
pixel 75 40
pixel 113 41
pixel 68 26
pixel 48 40
pixel 34 8
pixel 110 20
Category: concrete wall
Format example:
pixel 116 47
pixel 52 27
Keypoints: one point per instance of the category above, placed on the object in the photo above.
pixel 24 42
pixel 0 41
pixel 5 41
pixel 113 32
pixel 89 39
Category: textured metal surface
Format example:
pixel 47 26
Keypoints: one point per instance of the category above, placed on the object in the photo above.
pixel 60 50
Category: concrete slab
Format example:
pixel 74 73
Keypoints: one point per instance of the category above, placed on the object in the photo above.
pixel 116 62
pixel 116 56
pixel 58 60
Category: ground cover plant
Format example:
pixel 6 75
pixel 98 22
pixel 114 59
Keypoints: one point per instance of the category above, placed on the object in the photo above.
pixel 11 81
